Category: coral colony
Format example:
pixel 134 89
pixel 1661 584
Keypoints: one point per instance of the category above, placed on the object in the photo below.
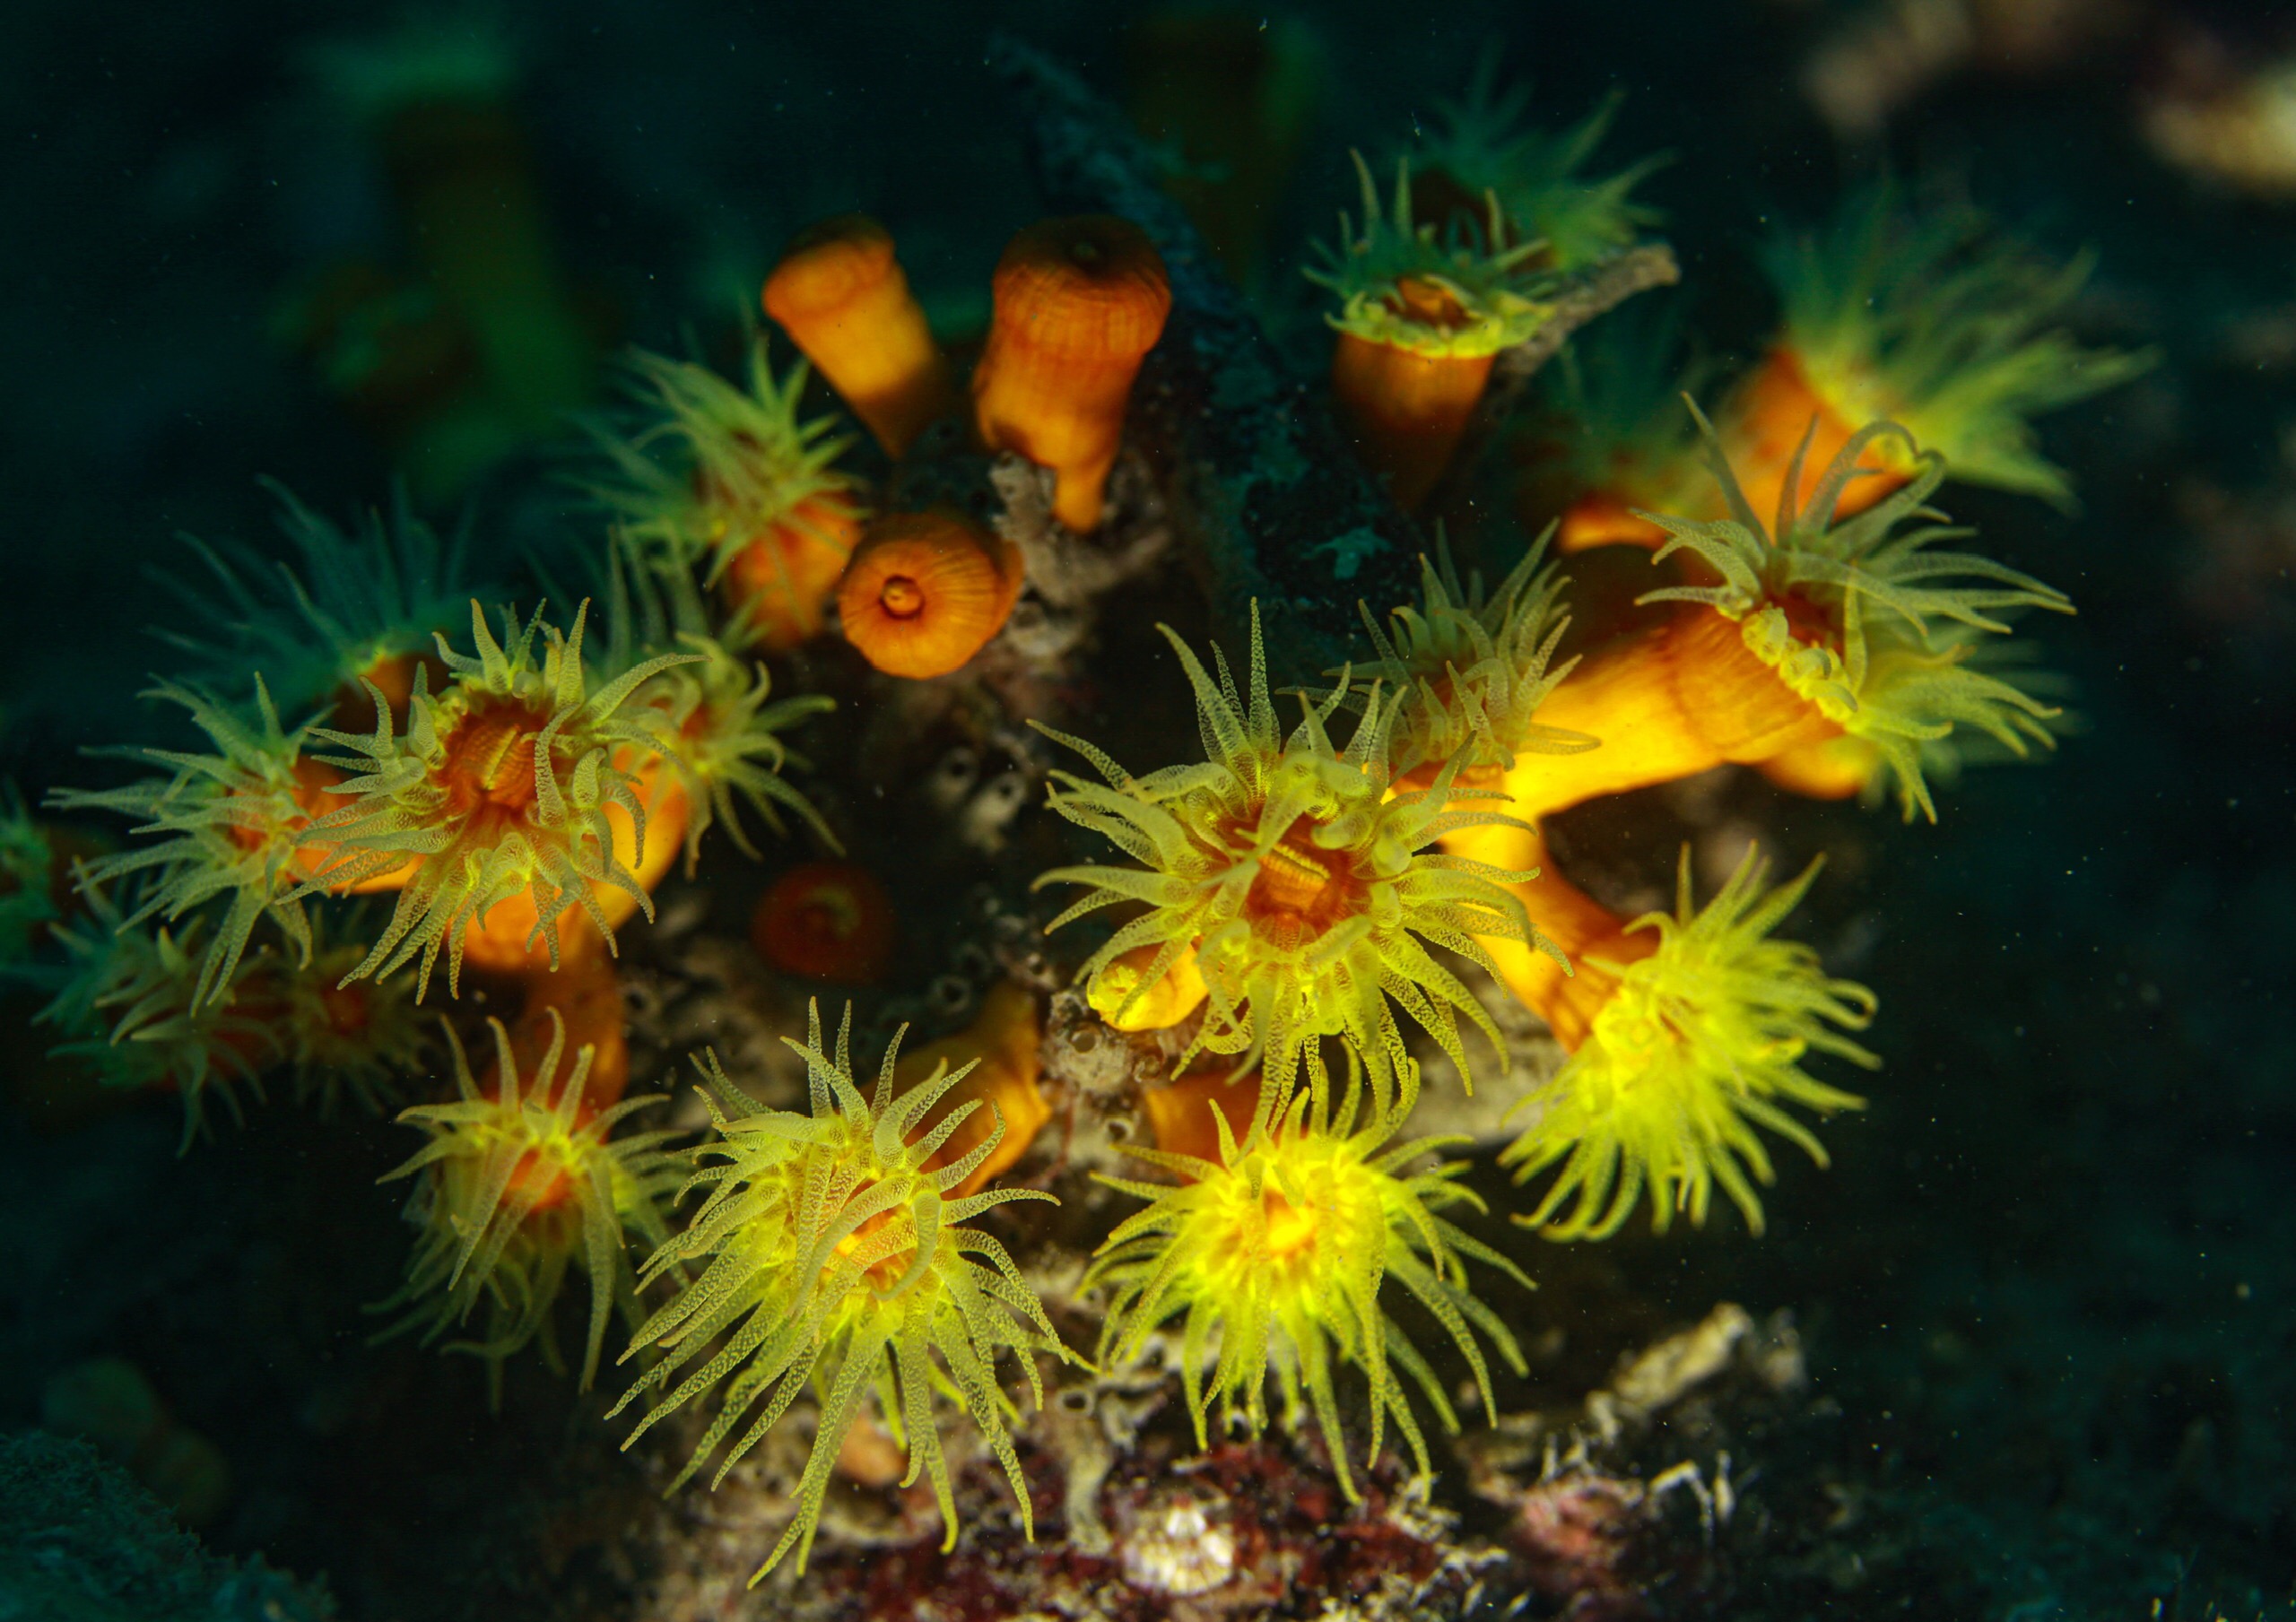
pixel 401 786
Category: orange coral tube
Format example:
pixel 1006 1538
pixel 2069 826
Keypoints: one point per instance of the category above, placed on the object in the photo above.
pixel 1004 1038
pixel 1830 768
pixel 926 591
pixel 841 296
pixel 1680 699
pixel 1080 301
pixel 779 585
pixel 1583 928
pixel 1409 410
pixel 826 921
pixel 1180 1113
pixel 1605 519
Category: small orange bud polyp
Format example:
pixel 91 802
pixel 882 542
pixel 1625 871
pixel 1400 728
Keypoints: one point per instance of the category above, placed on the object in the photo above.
pixel 926 591
pixel 1409 410
pixel 842 298
pixel 1079 303
pixel 1178 992
pixel 779 585
pixel 827 920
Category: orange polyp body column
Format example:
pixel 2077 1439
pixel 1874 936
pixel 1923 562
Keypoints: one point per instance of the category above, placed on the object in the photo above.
pixel 1829 768
pixel 1583 927
pixel 841 296
pixel 497 943
pixel 1679 700
pixel 1079 303
pixel 926 591
pixel 1762 427
pixel 1004 1038
pixel 1603 519
pixel 1409 410
pixel 781 582
pixel 1180 1114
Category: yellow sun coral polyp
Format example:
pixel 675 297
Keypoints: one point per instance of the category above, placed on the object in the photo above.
pixel 1304 887
pixel 1280 1249
pixel 734 482
pixel 1826 625
pixel 1423 316
pixel 230 823
pixel 517 1187
pixel 498 788
pixel 834 1253
pixel 1473 670
pixel 148 1010
pixel 1700 1041
pixel 1921 320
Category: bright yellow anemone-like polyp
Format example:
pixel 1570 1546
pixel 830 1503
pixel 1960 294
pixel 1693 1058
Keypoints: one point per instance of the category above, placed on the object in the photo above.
pixel 1277 1253
pixel 1307 893
pixel 1472 668
pixel 498 788
pixel 519 1185
pixel 1701 1042
pixel 832 1253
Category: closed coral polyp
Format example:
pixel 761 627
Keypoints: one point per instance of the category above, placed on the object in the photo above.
pixel 842 297
pixel 926 591
pixel 1079 303
pixel 827 920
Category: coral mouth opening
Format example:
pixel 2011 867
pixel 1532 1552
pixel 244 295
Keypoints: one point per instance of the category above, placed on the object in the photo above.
pixel 1302 891
pixel 489 760
pixel 902 597
pixel 1813 624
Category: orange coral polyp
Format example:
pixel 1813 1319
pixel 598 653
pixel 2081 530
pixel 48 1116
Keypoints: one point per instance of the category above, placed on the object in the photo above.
pixel 1079 303
pixel 489 765
pixel 1004 1037
pixel 779 586
pixel 503 941
pixel 1409 410
pixel 1585 928
pixel 1180 1113
pixel 1682 700
pixel 827 920
pixel 1763 425
pixel 842 295
pixel 926 591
